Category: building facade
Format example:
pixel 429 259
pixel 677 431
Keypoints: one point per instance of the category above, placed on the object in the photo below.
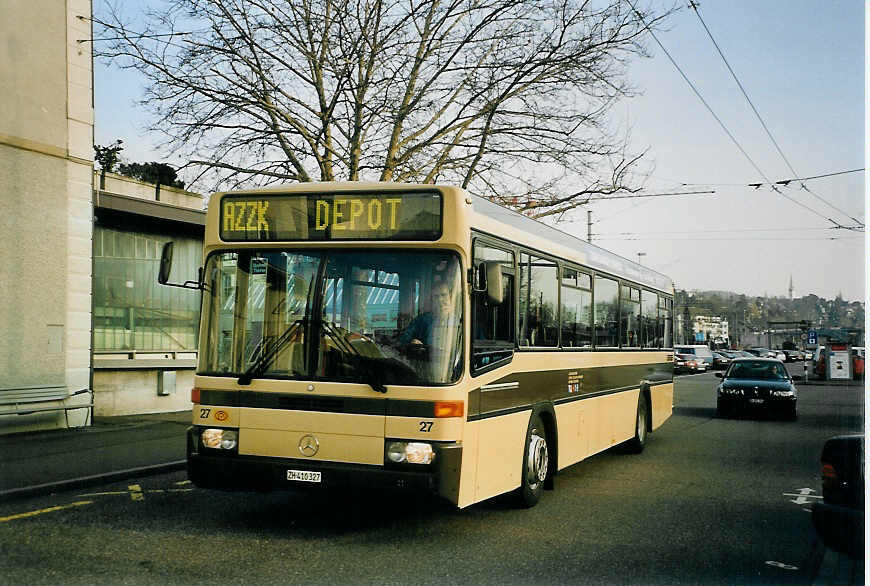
pixel 85 329
pixel 144 334
pixel 46 171
pixel 711 330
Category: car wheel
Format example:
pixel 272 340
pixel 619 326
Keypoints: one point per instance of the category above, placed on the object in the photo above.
pixel 792 413
pixel 536 462
pixel 638 442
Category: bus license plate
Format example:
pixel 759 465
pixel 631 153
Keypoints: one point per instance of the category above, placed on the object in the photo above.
pixel 303 476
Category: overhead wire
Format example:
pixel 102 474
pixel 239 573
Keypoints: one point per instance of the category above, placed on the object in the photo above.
pixel 780 182
pixel 723 230
pixel 694 7
pixel 697 239
pixel 722 124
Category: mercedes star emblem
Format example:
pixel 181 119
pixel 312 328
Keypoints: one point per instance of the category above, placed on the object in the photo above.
pixel 308 445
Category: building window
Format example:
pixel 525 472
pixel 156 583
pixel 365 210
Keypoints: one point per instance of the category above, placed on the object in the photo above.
pixel 132 312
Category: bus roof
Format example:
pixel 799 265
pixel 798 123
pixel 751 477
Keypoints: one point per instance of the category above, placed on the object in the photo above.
pixel 574 248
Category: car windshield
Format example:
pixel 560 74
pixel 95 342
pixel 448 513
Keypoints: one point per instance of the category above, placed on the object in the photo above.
pixel 363 316
pixel 757 370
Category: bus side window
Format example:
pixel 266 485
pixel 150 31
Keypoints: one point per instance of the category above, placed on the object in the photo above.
pixel 493 325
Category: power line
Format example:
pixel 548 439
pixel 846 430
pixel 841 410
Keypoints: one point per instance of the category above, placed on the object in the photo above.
pixel 722 124
pixel 723 230
pixel 694 6
pixel 784 182
pixel 722 239
pixel 636 195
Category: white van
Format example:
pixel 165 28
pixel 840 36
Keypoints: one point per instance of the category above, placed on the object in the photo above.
pixel 698 350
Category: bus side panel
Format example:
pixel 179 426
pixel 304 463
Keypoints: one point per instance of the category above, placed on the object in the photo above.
pixel 501 442
pixel 616 414
pixel 589 426
pixel 468 471
pixel 576 422
pixel 662 397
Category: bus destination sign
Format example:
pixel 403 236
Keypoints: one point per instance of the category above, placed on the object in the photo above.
pixel 388 215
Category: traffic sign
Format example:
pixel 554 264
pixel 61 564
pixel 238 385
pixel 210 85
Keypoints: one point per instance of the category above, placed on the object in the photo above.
pixel 812 337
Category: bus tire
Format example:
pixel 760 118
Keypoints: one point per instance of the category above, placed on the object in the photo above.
pixel 641 431
pixel 536 463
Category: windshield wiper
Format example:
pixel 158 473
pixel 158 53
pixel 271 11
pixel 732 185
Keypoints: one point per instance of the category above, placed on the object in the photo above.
pixel 370 373
pixel 268 354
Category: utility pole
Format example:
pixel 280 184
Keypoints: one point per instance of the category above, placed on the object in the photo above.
pixel 588 225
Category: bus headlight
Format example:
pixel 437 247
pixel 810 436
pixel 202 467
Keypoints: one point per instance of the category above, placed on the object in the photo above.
pixel 410 453
pixel 220 439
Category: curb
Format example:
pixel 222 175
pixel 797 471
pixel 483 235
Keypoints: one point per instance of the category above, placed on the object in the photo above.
pixel 84 481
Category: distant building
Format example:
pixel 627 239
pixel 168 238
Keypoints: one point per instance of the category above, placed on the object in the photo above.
pixel 711 330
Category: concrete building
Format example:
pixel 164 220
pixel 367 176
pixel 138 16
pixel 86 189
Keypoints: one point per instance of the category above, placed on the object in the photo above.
pixel 85 329
pixel 144 334
pixel 46 171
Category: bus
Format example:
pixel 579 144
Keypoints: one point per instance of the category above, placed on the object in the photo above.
pixel 415 337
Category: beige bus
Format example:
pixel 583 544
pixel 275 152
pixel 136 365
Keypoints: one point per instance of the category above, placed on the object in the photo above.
pixel 415 337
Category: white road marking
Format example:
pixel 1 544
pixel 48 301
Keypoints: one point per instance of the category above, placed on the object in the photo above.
pixel 781 565
pixel 803 494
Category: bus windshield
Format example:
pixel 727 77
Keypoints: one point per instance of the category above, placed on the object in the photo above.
pixel 373 317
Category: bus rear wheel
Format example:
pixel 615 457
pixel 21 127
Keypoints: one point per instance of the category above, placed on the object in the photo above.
pixel 536 463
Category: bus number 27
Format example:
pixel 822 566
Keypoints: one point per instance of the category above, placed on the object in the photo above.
pixel 426 426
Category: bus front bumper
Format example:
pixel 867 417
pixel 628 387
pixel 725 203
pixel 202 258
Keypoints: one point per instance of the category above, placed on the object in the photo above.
pixel 233 472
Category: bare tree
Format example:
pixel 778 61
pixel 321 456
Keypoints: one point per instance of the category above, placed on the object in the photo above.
pixel 498 96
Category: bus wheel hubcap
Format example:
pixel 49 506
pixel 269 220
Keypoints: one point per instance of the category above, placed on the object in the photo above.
pixel 536 467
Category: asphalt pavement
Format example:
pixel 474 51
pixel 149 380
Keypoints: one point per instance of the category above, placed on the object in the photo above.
pixel 118 448
pixel 113 448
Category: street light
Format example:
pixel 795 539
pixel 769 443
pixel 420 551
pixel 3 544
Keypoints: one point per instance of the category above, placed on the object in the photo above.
pixel 639 256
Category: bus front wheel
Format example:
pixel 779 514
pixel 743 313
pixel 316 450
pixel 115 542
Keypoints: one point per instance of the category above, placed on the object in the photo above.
pixel 536 462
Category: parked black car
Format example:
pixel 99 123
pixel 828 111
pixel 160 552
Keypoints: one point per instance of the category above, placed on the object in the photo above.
pixel 839 518
pixel 720 360
pixel 756 385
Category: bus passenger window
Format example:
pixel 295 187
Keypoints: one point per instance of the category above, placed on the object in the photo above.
pixel 539 302
pixel 649 302
pixel 629 317
pixel 576 311
pixel 606 312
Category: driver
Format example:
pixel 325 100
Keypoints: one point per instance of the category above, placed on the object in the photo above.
pixel 425 328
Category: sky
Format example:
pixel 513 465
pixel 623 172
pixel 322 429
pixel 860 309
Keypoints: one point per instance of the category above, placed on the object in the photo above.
pixel 801 62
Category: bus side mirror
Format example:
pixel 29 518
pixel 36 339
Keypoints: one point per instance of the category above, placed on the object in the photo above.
pixel 166 266
pixel 165 263
pixel 494 282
